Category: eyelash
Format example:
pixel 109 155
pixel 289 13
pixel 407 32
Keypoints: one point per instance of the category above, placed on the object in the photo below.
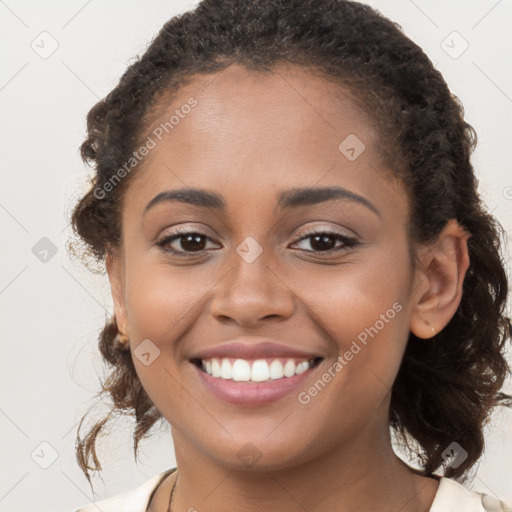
pixel 348 242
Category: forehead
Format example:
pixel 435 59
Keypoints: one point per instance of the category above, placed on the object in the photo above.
pixel 301 100
pixel 251 129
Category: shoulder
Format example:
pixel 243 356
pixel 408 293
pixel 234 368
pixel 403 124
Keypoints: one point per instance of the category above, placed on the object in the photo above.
pixel 454 497
pixel 135 500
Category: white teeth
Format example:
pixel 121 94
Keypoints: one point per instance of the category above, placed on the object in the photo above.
pixel 260 371
pixel 289 368
pixel 226 369
pixel 302 367
pixel 276 369
pixel 215 368
pixel 255 371
pixel 241 370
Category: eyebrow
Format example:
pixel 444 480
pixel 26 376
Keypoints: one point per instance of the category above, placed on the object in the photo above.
pixel 292 198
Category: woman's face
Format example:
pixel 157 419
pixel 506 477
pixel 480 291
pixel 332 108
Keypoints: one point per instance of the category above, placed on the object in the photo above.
pixel 266 146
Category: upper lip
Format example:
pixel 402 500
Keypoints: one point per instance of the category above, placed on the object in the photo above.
pixel 246 348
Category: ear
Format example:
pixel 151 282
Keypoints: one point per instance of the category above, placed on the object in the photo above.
pixel 438 282
pixel 115 269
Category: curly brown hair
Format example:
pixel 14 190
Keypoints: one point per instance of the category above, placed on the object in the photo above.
pixel 447 386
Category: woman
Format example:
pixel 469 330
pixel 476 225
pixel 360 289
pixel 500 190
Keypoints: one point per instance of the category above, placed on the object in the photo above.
pixel 299 260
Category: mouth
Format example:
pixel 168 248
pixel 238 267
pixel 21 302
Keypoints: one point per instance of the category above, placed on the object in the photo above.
pixel 257 370
pixel 257 382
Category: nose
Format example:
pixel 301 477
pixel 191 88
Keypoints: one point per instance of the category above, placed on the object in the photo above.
pixel 251 292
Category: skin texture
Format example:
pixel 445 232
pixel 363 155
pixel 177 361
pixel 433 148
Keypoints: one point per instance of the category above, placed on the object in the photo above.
pixel 251 136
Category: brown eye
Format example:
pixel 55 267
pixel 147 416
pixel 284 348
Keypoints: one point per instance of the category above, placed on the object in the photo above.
pixel 325 241
pixel 183 242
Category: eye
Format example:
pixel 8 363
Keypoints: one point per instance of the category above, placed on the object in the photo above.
pixel 325 241
pixel 185 242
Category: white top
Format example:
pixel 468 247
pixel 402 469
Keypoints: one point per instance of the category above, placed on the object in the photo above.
pixel 450 497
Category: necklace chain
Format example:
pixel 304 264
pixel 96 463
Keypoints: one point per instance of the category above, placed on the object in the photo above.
pixel 171 497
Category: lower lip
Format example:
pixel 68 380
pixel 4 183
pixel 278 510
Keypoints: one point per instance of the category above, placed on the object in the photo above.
pixel 253 393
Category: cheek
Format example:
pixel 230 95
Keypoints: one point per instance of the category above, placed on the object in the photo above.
pixel 164 304
pixel 161 299
pixel 361 308
pixel 350 297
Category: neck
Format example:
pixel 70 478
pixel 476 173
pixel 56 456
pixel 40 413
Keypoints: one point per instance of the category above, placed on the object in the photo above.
pixel 338 479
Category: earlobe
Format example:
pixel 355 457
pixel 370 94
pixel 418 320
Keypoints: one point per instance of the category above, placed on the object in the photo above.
pixel 439 292
pixel 114 267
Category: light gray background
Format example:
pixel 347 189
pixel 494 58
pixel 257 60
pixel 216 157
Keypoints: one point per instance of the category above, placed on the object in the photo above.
pixel 51 313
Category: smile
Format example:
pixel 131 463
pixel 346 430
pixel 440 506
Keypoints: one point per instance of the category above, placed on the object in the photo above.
pixel 259 370
pixel 254 383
